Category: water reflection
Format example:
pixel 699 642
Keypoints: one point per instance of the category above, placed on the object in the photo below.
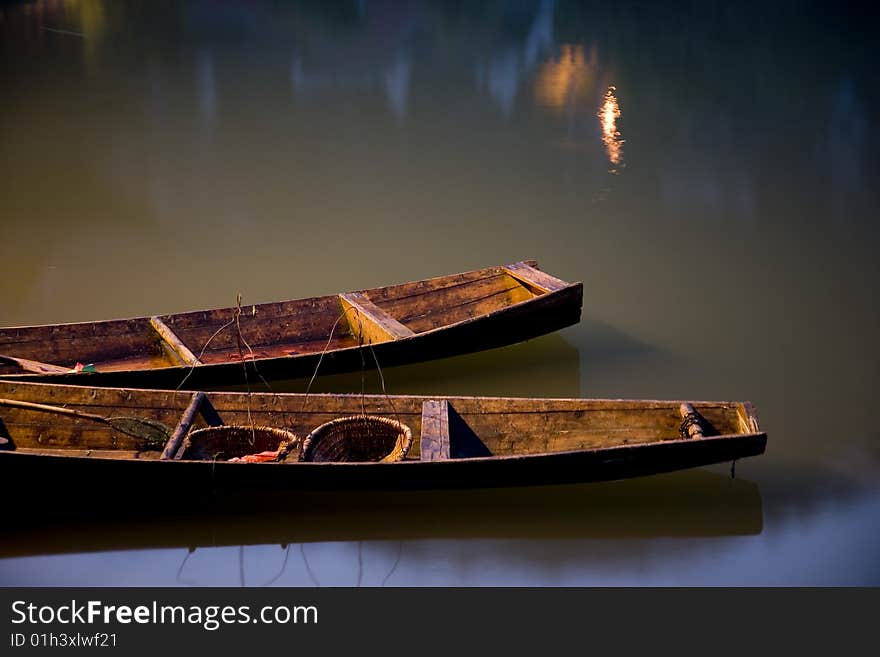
pixel 518 52
pixel 687 504
pixel 206 86
pixel 842 149
pixel 322 146
pixel 608 115
pixel 689 528
pixel 567 80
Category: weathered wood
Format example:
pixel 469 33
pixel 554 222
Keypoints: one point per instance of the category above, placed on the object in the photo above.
pixel 690 421
pixel 58 410
pixel 182 428
pixel 434 444
pixel 34 366
pixel 449 315
pixel 170 338
pixel 535 277
pixel 371 322
pixel 747 418
pixel 419 300
pixel 114 454
pixel 149 434
pixel 494 441
pixel 430 314
pixel 404 291
pixel 88 342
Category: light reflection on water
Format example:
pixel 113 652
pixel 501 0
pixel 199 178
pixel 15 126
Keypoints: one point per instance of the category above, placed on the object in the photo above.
pixel 162 158
pixel 567 80
pixel 608 115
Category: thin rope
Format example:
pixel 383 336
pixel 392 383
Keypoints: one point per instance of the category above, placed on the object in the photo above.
pixel 321 357
pixel 241 564
pixel 204 349
pixel 239 339
pixel 179 577
pixel 283 567
pixel 396 563
pixel 382 383
pixel 363 365
pixel 302 550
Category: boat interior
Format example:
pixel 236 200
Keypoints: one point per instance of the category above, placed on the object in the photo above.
pixel 271 330
pixel 442 428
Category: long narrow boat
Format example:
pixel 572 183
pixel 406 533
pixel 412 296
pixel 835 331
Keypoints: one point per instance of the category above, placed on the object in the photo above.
pixel 75 437
pixel 404 323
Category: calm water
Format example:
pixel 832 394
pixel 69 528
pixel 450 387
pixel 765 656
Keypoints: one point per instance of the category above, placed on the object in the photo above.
pixel 709 172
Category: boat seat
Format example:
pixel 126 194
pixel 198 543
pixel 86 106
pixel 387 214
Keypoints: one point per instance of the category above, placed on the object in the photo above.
pixel 446 435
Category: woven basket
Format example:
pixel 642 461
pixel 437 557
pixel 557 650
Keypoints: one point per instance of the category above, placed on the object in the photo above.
pixel 359 438
pixel 226 442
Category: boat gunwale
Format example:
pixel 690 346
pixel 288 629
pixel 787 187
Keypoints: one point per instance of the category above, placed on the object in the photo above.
pixel 212 394
pixel 628 447
pixel 493 270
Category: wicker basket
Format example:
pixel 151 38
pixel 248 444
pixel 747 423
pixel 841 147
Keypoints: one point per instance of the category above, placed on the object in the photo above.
pixel 227 442
pixel 359 438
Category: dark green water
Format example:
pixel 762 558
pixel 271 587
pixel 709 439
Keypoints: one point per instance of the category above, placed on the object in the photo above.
pixel 709 171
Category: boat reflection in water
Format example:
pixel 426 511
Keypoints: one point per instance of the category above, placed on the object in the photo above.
pixel 691 503
pixel 379 538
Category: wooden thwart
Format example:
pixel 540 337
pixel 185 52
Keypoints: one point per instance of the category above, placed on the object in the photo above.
pixel 170 338
pixel 435 445
pixel 532 277
pixel 375 324
pixel 182 428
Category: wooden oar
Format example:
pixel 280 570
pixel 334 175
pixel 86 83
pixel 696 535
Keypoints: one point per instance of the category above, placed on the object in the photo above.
pixel 34 366
pixel 154 433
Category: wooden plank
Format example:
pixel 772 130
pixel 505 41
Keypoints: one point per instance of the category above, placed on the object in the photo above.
pixel 535 277
pixel 183 426
pixel 374 323
pixel 68 344
pixel 34 366
pixel 171 339
pixel 431 316
pixel 748 420
pixel 446 299
pixel 114 454
pixel 434 445
pixel 417 288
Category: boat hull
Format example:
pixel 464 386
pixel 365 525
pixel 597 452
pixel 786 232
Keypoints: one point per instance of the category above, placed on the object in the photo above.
pixel 471 312
pixel 144 479
pixel 58 436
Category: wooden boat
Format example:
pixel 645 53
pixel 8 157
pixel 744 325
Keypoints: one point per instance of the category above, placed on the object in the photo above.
pixel 59 436
pixel 403 323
